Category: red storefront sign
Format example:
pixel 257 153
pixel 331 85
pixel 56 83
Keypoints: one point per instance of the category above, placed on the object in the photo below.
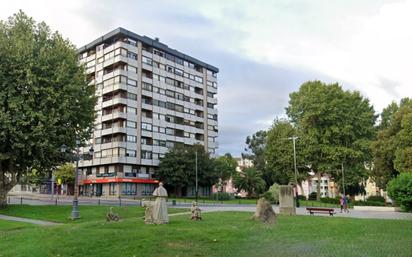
pixel 120 180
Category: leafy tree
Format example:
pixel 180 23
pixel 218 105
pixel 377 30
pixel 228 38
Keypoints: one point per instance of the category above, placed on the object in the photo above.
pixel 178 168
pixel 226 167
pixel 249 180
pixel 279 154
pixel 45 99
pixel 335 127
pixel 65 173
pixel 400 189
pixel 392 148
pixel 255 151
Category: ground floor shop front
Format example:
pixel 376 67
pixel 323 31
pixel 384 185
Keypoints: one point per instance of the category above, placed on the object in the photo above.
pixel 118 187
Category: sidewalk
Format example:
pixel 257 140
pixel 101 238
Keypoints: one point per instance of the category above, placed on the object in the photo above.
pixel 32 221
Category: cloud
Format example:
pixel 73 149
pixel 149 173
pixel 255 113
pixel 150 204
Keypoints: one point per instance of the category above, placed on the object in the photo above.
pixel 264 49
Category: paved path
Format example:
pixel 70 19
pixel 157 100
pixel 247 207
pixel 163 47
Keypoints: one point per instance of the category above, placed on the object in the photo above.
pixel 32 221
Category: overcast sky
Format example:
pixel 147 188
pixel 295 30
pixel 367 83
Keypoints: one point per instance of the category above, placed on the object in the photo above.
pixel 264 49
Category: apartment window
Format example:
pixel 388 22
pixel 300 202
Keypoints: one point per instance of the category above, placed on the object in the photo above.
pixel 179 72
pixel 98 140
pixel 131 96
pixel 131 68
pixel 131 110
pixel 147 60
pixel 131 138
pixel 170 131
pixel 147 86
pixel 210 105
pixel 112 190
pixel 146 154
pixel 120 51
pixel 198 79
pixel 170 144
pixel 131 124
pixel 209 94
pixel 130 153
pixel 132 82
pixel 131 55
pixel 146 126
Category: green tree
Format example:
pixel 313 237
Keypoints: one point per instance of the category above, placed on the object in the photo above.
pixel 45 99
pixel 400 190
pixel 65 173
pixel 335 127
pixel 255 151
pixel 249 180
pixel 392 148
pixel 178 168
pixel 279 154
pixel 226 167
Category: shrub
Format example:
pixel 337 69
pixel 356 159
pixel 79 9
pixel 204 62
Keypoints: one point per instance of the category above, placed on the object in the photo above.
pixel 312 196
pixel 274 190
pixel 221 196
pixel 376 198
pixel 368 203
pixel 268 196
pixel 400 190
pixel 301 197
pixel 330 200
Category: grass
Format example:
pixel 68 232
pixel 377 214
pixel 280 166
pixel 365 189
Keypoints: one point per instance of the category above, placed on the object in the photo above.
pixel 62 213
pixel 219 234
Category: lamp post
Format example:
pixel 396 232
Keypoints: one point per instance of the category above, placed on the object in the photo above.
pixel 196 176
pixel 295 168
pixel 75 214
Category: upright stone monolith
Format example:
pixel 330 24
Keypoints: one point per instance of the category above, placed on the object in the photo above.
pixel 286 200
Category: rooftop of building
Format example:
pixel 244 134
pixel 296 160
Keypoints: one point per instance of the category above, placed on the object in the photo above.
pixel 149 41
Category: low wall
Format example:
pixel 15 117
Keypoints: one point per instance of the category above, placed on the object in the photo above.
pixel 375 208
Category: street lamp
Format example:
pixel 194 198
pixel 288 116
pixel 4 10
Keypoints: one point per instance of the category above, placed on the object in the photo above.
pixel 296 170
pixel 196 176
pixel 75 206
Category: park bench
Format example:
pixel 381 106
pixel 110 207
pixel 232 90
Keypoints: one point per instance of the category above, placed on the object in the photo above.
pixel 313 210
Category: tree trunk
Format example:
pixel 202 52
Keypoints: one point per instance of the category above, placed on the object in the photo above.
pixel 319 175
pixel 3 195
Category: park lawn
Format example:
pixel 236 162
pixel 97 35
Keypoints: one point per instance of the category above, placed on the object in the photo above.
pixel 212 201
pixel 219 234
pixel 61 213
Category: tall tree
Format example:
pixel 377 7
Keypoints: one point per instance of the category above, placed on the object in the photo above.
pixel 45 99
pixel 226 168
pixel 336 128
pixel 249 180
pixel 279 154
pixel 255 150
pixel 178 168
pixel 392 149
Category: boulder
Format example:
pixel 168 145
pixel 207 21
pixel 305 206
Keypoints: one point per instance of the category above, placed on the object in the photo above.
pixel 264 212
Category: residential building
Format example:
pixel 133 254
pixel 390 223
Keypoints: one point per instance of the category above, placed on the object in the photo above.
pixel 150 98
pixel 227 186
pixel 328 187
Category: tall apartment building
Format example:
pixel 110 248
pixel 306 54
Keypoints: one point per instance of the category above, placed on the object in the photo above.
pixel 150 98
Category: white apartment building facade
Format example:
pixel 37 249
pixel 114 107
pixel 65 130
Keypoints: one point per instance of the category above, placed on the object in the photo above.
pixel 150 98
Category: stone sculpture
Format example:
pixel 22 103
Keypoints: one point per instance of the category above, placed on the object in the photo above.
pixel 159 212
pixel 196 212
pixel 264 212
pixel 111 216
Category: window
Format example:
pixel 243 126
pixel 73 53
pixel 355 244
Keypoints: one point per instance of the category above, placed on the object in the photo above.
pixel 146 154
pixel 131 82
pixel 170 144
pixel 147 60
pixel 179 72
pixel 112 190
pixel 210 105
pixel 147 86
pixel 131 68
pixel 209 94
pixel 131 96
pixel 131 124
pixel 198 79
pixel 132 55
pixel 146 126
pixel 131 110
pixel 130 153
pixel 131 138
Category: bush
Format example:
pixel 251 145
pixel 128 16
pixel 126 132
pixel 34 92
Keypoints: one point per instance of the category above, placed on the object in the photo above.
pixel 400 190
pixel 330 200
pixel 312 196
pixel 274 190
pixel 376 198
pixel 301 197
pixel 268 196
pixel 221 196
pixel 368 203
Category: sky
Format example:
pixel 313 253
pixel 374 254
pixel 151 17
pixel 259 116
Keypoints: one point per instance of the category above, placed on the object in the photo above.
pixel 264 49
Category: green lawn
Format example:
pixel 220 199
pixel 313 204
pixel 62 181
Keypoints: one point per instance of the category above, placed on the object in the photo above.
pixel 62 213
pixel 219 234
